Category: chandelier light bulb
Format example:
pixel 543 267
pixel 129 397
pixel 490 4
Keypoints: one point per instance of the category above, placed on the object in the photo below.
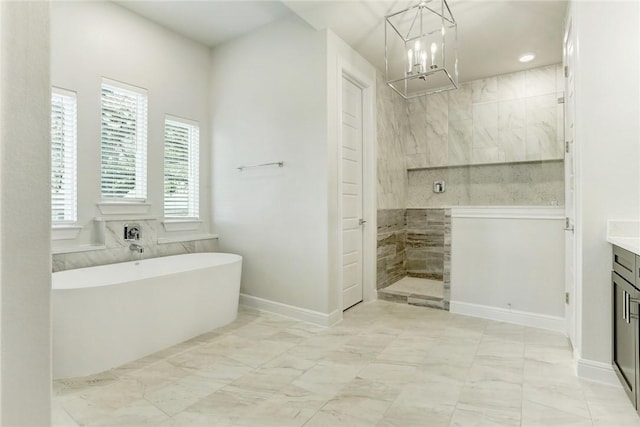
pixel 434 49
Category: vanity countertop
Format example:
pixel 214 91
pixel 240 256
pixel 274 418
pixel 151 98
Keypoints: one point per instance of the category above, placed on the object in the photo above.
pixel 631 244
pixel 624 234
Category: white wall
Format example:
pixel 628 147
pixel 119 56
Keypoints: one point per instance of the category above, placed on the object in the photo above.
pixel 91 40
pixel 607 154
pixel 508 264
pixel 269 103
pixel 25 263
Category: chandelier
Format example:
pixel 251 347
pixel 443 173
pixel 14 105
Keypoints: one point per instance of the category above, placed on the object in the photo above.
pixel 420 49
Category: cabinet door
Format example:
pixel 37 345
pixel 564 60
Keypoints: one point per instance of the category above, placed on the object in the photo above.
pixel 624 334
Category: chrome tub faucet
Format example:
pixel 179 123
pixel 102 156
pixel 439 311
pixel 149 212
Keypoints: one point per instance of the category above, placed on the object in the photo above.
pixel 136 248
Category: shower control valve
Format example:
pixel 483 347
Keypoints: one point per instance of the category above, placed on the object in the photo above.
pixel 131 232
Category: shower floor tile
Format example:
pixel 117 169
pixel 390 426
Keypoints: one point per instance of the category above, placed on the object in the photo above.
pixel 417 286
pixel 385 364
pixel 415 291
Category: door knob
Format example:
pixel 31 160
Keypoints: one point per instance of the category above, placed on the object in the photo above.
pixel 362 221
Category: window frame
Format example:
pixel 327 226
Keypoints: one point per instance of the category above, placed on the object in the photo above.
pixel 141 186
pixel 193 167
pixel 70 160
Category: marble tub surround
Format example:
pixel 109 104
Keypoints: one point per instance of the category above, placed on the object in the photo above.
pixel 391 247
pixel 114 249
pixel 508 118
pixel 383 365
pixel 515 184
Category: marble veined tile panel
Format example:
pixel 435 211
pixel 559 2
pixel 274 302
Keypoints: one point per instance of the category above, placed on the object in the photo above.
pixel 512 114
pixel 540 81
pixel 484 90
pixel 511 86
pixel 460 142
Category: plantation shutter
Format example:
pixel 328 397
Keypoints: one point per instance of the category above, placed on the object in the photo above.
pixel 181 168
pixel 63 157
pixel 124 142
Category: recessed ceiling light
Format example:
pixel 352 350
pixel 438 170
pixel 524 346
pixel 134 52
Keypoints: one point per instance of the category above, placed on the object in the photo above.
pixel 527 57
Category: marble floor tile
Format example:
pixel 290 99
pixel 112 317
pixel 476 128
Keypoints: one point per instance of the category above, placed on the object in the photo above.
pixel 496 368
pixel 478 416
pixel 558 394
pixel 178 396
pixel 385 364
pixel 356 407
pixel 361 387
pixel 437 393
pixel 189 418
pixel 493 397
pixel 400 415
pixel 60 417
pixel 388 373
pixel 537 415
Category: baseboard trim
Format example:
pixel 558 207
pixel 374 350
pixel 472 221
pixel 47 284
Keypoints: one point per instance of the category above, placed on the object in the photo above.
pixel 597 371
pixel 524 318
pixel 294 312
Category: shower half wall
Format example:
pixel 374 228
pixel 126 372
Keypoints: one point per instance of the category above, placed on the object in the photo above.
pixel 414 243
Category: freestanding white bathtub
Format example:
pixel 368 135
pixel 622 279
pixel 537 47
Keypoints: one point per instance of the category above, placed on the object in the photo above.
pixel 109 315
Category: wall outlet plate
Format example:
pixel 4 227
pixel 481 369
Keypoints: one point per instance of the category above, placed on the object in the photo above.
pixel 438 186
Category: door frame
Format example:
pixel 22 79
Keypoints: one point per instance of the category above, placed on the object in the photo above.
pixel 573 316
pixel 369 213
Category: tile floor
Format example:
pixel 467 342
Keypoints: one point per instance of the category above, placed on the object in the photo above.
pixel 386 364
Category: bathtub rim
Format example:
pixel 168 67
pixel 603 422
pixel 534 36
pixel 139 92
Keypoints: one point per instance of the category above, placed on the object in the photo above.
pixel 83 274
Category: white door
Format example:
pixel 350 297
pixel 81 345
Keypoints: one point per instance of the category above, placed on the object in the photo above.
pixel 569 181
pixel 351 184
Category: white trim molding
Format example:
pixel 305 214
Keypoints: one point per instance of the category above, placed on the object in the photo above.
pixel 78 248
pixel 524 318
pixel 597 371
pixel 181 224
pixel 65 232
pixel 508 212
pixel 187 238
pixel 311 316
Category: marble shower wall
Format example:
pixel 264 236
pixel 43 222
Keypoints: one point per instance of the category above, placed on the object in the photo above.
pixel 515 184
pixel 509 118
pixel 391 247
pixel 392 126
pixel 425 243
pixel 428 246
pixel 416 243
pixel 117 250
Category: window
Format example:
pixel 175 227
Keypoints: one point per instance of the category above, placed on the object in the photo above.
pixel 63 157
pixel 124 142
pixel 181 168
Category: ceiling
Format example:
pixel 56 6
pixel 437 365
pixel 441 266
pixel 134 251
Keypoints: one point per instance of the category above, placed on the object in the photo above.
pixel 209 22
pixel 491 34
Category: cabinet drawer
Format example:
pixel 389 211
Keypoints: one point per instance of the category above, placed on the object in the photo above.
pixel 624 263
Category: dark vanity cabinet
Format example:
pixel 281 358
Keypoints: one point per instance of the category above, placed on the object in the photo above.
pixel 626 354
